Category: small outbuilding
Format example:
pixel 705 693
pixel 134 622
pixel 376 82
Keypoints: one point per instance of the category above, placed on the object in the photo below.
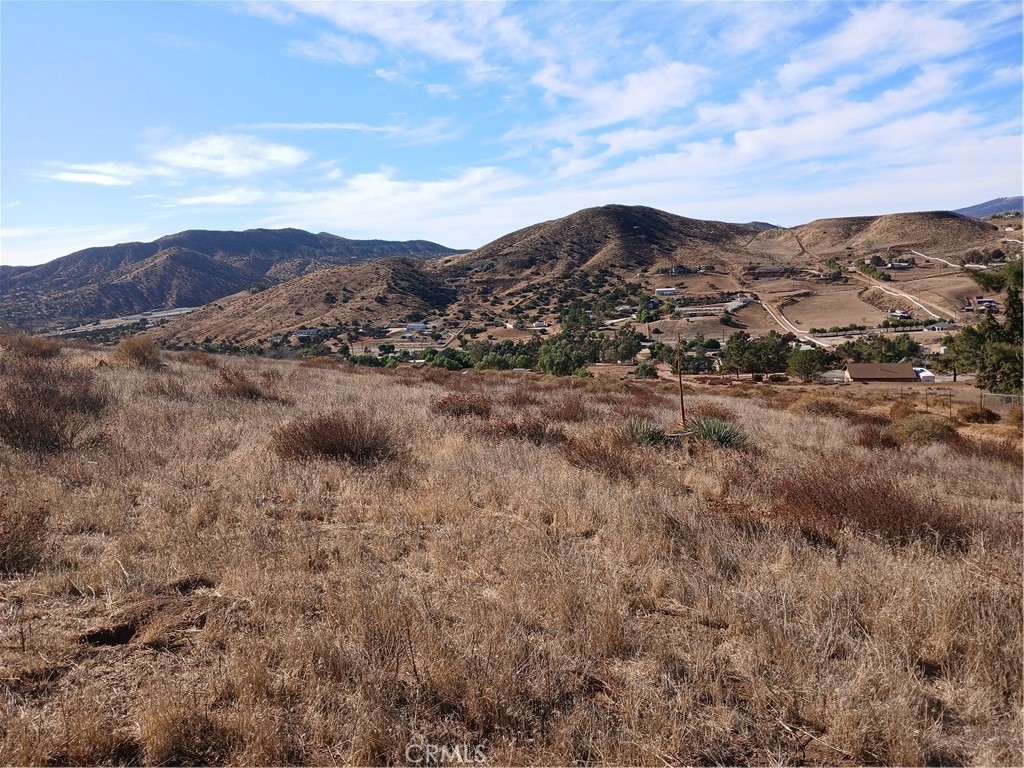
pixel 887 372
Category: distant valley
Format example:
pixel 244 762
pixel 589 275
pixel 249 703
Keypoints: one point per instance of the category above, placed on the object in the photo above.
pixel 260 284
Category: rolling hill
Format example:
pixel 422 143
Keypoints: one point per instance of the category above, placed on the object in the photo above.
pixel 189 268
pixel 992 207
pixel 604 254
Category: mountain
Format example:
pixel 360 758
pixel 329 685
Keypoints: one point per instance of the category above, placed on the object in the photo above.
pixel 262 283
pixel 185 269
pixel 992 207
pixel 394 290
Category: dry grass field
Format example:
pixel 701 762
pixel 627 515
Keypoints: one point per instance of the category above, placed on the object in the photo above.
pixel 239 561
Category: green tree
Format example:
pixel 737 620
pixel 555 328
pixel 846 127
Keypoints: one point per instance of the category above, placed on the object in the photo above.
pixel 808 363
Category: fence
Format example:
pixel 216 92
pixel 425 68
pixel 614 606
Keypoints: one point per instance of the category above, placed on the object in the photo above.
pixel 998 402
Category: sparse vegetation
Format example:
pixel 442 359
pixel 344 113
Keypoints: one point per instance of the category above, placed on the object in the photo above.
pixel 140 351
pixel 45 405
pixel 230 581
pixel 359 438
pixel 718 432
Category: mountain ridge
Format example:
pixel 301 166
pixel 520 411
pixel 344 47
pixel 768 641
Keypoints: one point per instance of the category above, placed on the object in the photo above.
pixel 92 283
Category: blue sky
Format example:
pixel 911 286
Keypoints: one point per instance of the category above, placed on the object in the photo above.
pixel 461 122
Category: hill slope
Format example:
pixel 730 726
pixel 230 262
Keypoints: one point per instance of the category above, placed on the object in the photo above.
pixel 185 269
pixel 394 290
pixel 991 207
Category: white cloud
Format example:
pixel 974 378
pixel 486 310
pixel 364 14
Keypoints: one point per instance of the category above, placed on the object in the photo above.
pixel 334 48
pixel 879 40
pixel 231 155
pixel 102 179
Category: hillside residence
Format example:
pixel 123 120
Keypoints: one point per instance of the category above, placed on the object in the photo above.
pixel 664 291
pixel 888 372
pixel 305 336
pixel 923 374
pixel 897 265
pixel 767 272
pixel 417 327
pixel 680 269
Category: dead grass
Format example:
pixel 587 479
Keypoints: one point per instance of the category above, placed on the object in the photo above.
pixel 46 404
pixel 23 345
pixel 140 350
pixel 194 597
pixel 359 438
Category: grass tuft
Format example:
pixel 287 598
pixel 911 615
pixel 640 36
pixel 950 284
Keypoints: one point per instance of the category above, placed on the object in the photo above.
pixel 356 438
pixel 45 405
pixel 462 405
pixel 23 345
pixel 23 533
pixel 235 383
pixel 139 351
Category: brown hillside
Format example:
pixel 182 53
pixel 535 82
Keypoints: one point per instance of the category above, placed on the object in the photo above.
pixel 940 231
pixel 615 236
pixel 393 290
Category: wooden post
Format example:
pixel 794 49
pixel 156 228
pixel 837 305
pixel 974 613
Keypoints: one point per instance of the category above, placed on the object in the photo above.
pixel 679 372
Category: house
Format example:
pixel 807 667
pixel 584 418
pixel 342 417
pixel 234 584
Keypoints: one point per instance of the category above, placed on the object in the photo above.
pixel 305 336
pixel 664 291
pixel 923 374
pixel 417 327
pixel 897 265
pixel 887 372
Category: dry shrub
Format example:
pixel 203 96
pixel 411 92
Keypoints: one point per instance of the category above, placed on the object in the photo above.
pixel 177 729
pixel 977 414
pixel 461 405
pixel 820 405
pixel 603 452
pixel 235 383
pixel 901 409
pixel 1015 416
pixel 359 438
pixel 44 405
pixel 704 409
pixel 23 533
pixel 569 408
pixel 198 357
pixel 23 345
pixel 1007 450
pixel 140 351
pixel 321 362
pixel 518 397
pixel 867 496
pixel 526 426
pixel 923 428
pixel 873 435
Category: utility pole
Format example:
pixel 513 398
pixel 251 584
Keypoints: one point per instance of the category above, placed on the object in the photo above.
pixel 679 371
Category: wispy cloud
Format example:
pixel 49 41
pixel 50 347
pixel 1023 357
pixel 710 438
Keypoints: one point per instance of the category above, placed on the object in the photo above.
pixel 334 48
pixel 231 155
pixel 427 132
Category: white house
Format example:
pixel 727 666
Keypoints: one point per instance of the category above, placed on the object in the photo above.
pixel 664 291
pixel 923 374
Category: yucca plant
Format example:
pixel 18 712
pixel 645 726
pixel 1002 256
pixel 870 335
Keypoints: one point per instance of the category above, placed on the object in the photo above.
pixel 640 431
pixel 714 431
